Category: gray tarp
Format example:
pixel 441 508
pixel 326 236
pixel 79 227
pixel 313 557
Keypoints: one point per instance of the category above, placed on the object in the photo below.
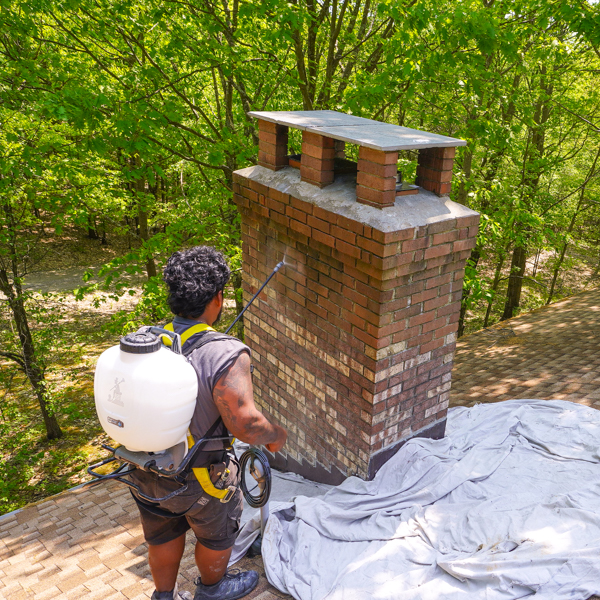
pixel 284 487
pixel 507 505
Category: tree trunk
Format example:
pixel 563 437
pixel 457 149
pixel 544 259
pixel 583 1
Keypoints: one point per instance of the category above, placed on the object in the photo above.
pixel 536 263
pixel 571 227
pixel 515 282
pixel 556 272
pixel 495 283
pixel 104 241
pixel 532 173
pixel 461 319
pixel 92 229
pixel 467 168
pixel 140 189
pixel 28 361
pixel 144 234
pixel 473 262
pixel 30 365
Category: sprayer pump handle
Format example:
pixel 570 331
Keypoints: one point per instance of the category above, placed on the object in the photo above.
pixel 159 331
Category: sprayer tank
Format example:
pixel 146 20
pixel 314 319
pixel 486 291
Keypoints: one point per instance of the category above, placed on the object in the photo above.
pixel 145 401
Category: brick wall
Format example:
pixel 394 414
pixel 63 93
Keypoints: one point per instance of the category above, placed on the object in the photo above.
pixel 318 153
pixel 353 342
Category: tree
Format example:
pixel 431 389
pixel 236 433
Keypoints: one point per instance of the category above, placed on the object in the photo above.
pixel 47 177
pixel 19 171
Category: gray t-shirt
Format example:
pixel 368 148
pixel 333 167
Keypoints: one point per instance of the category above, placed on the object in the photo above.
pixel 210 362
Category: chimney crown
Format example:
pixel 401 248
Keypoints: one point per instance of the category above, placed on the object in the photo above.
pixel 324 133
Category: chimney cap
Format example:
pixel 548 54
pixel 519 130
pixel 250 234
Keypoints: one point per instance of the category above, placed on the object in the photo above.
pixel 357 130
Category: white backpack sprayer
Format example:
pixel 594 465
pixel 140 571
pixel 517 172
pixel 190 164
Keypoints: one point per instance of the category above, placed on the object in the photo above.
pixel 142 378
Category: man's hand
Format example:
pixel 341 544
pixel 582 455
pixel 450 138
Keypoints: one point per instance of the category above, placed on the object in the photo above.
pixel 276 446
pixel 234 398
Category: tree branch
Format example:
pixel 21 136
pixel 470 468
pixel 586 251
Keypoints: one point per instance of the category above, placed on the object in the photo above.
pixel 15 357
pixel 592 125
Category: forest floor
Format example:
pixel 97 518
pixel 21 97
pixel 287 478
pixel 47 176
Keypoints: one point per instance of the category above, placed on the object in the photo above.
pixel 31 468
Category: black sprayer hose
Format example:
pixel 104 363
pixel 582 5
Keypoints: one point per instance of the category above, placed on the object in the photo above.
pixel 279 265
pixel 251 456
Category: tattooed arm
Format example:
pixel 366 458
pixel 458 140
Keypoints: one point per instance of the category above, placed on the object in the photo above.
pixel 234 398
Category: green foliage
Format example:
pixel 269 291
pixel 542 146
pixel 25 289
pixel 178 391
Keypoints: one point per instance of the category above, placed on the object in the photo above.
pixel 32 468
pixel 152 308
pixel 128 119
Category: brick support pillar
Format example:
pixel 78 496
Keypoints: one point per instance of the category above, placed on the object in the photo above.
pixel 376 178
pixel 434 170
pixel 272 145
pixel 318 153
pixel 340 149
pixel 353 341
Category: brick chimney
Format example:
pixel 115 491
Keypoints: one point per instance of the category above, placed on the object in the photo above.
pixel 354 341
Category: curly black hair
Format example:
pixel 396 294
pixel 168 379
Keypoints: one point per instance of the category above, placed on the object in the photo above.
pixel 194 277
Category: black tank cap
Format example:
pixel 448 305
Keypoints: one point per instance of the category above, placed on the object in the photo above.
pixel 140 343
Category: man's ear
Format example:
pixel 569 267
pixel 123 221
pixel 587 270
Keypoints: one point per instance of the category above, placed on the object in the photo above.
pixel 218 300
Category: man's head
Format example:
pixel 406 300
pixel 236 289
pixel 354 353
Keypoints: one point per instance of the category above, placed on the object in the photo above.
pixel 194 277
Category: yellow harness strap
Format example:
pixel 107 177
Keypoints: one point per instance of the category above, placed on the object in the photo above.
pixel 203 478
pixel 187 334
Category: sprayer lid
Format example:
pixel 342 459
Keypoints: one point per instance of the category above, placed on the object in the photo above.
pixel 140 343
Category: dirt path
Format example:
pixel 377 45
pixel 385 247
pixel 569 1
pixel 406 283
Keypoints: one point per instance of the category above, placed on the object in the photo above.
pixel 68 279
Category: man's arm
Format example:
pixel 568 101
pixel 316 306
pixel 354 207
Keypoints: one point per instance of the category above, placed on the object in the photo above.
pixel 234 398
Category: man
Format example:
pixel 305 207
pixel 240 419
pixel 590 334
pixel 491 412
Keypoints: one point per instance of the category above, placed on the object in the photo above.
pixel 196 279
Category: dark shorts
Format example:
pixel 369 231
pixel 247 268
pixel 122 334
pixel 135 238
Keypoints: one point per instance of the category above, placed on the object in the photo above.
pixel 214 523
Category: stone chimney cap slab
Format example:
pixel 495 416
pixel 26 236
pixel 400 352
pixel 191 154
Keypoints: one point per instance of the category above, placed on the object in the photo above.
pixel 308 119
pixel 387 137
pixel 356 130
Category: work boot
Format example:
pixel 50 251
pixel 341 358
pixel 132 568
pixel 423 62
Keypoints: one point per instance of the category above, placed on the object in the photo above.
pixel 172 595
pixel 235 584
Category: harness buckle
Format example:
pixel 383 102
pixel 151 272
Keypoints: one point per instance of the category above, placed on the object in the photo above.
pixel 229 495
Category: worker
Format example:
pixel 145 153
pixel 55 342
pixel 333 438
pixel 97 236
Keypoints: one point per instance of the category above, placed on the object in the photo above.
pixel 225 406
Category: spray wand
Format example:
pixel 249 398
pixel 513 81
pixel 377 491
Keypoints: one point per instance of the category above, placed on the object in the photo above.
pixel 262 287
